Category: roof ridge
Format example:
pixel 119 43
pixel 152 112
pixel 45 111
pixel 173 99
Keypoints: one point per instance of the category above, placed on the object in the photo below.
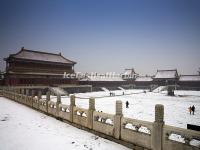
pixel 168 70
pixel 23 49
pixel 190 75
pixel 59 54
pixel 144 76
pixel 39 55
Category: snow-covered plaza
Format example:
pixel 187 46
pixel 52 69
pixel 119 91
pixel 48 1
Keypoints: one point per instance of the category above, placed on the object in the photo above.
pixel 23 128
pixel 142 105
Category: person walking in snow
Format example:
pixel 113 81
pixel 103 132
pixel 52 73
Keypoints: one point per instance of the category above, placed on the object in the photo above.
pixel 190 109
pixel 193 109
pixel 127 104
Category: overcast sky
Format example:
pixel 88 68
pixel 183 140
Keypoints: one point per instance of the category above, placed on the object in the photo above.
pixel 106 35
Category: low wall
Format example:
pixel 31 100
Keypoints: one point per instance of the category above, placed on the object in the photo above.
pixel 177 138
pixel 103 122
pixel 29 101
pixel 142 135
pixel 80 116
pixel 35 103
pixel 64 112
pixel 133 131
pixel 43 105
pixel 52 108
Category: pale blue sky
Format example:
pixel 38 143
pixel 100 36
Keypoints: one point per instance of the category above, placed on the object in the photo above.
pixel 106 35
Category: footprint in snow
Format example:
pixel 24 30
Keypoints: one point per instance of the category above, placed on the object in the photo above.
pixel 85 146
pixel 105 141
pixel 4 118
pixel 43 117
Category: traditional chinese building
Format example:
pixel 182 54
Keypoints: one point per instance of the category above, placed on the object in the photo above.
pixel 129 75
pixel 100 81
pixel 143 81
pixel 166 77
pixel 191 82
pixel 28 67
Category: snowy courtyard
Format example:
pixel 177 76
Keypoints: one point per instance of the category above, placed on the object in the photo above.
pixel 22 128
pixel 142 105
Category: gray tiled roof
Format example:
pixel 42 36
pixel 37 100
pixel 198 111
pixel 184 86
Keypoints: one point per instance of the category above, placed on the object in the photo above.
pixel 41 56
pixel 166 74
pixel 189 78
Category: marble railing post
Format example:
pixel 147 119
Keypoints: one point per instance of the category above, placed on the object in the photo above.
pixel 6 92
pixel 57 105
pixel 39 97
pixel 157 131
pixel 48 95
pixel 23 97
pixel 90 112
pixel 3 92
pixel 15 94
pixel 32 93
pixel 11 93
pixel 117 119
pixel 72 105
pixel 27 94
pixel 18 91
pixel 22 91
pixel 32 96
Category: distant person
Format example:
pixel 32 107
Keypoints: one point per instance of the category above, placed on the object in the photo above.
pixel 123 93
pixel 193 109
pixel 127 104
pixel 190 109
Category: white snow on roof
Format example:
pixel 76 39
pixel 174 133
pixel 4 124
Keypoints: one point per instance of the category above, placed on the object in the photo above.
pixel 128 72
pixel 189 78
pixel 143 79
pixel 165 74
